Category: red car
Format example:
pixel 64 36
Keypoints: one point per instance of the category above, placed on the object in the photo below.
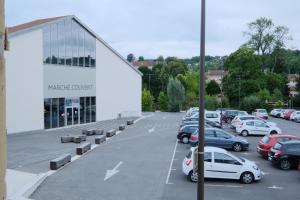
pixel 267 142
pixel 287 114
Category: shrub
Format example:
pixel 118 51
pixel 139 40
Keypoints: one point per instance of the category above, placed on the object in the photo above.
pixel 250 103
pixel 162 102
pixel 147 100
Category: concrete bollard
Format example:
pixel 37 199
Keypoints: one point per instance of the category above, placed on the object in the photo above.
pixel 130 122
pixel 66 139
pixel 111 133
pixel 83 148
pixel 83 137
pixel 100 139
pixel 60 161
pixel 77 139
pixel 122 127
pixel 88 132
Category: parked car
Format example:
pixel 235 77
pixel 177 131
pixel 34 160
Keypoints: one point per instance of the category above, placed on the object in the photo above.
pixel 229 115
pixel 285 155
pixel 213 116
pixel 190 112
pixel 287 114
pixel 276 112
pixel 184 133
pixel 262 113
pixel 218 163
pixel 284 113
pixel 267 142
pixel 238 120
pixel 242 112
pixel 219 138
pixel 256 127
pixel 295 116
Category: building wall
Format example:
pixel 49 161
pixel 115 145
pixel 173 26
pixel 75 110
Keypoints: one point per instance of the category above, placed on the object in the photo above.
pixel 24 83
pixel 118 86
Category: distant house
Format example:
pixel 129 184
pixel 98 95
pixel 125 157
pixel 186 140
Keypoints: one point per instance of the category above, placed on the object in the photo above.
pixel 292 84
pixel 147 63
pixel 216 75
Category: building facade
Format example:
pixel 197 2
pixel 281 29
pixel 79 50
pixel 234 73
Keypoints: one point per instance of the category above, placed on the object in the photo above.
pixel 60 73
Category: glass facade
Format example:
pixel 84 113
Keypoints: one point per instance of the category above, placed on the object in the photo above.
pixel 59 112
pixel 66 42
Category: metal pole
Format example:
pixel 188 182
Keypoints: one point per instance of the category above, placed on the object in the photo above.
pixel 2 105
pixel 200 188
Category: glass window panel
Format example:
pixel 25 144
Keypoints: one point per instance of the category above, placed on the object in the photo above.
pixel 54 46
pixel 93 110
pixel 68 41
pixel 54 113
pixel 47 111
pixel 88 110
pixel 61 112
pixel 82 110
pixel 93 56
pixel 87 48
pixel 61 43
pixel 46 44
pixel 74 43
pixel 81 45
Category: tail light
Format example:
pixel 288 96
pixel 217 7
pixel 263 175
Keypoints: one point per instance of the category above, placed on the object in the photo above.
pixel 193 137
pixel 188 162
pixel 277 153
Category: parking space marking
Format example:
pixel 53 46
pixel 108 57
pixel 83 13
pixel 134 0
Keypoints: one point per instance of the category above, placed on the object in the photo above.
pixel 265 173
pixel 275 187
pixel 151 130
pixel 171 164
pixel 228 186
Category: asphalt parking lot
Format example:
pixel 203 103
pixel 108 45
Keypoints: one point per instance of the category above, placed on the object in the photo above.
pixel 144 162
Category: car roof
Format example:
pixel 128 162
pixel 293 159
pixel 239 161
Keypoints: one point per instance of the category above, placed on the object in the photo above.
pixel 214 149
pixel 290 142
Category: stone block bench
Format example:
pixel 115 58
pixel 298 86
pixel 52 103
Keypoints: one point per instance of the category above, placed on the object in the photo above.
pixel 111 133
pixel 100 139
pixel 60 161
pixel 130 122
pixel 83 148
pixel 122 127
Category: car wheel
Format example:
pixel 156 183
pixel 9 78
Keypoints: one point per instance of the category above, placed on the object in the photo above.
pixel 237 147
pixel 185 140
pixel 247 177
pixel 273 132
pixel 244 133
pixel 193 176
pixel 285 164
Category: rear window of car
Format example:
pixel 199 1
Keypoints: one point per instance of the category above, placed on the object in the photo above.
pixel 246 118
pixel 211 115
pixel 277 146
pixel 262 111
pixel 265 140
pixel 189 155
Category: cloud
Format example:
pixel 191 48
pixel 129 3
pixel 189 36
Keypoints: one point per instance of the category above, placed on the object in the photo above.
pixel 163 27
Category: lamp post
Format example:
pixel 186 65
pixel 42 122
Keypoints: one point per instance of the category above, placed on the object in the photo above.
pixel 200 188
pixel 2 105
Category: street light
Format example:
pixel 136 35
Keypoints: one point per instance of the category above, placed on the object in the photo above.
pixel 200 188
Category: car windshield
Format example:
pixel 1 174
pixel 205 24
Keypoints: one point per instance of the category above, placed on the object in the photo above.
pixel 262 111
pixel 242 159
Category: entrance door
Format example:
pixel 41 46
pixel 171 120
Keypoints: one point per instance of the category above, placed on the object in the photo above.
pixel 72 116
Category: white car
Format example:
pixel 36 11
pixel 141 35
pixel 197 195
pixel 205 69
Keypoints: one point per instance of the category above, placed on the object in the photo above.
pixel 257 127
pixel 238 120
pixel 213 116
pixel 295 116
pixel 276 112
pixel 262 113
pixel 218 163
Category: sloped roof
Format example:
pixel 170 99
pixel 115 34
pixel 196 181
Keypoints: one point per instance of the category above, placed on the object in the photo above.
pixel 33 25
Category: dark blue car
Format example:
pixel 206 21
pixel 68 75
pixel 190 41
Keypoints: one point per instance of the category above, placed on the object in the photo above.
pixel 219 138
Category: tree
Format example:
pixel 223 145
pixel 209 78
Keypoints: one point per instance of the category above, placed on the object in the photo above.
pixel 212 88
pixel 176 95
pixel 211 102
pixel 147 100
pixel 160 60
pixel 141 58
pixel 130 58
pixel 163 102
pixel 277 95
pixel 264 95
pixel 250 103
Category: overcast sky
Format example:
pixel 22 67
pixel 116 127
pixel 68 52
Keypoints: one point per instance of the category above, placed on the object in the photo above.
pixel 163 27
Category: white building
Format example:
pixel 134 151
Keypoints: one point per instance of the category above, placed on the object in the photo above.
pixel 60 73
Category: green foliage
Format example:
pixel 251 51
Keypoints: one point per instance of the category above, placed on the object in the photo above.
pixel 211 102
pixel 263 95
pixel 176 95
pixel 213 88
pixel 141 58
pixel 163 102
pixel 147 100
pixel 250 103
pixel 277 95
pixel 130 57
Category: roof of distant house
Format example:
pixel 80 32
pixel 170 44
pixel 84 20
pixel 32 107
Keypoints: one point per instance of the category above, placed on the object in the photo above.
pixel 147 63
pixel 293 77
pixel 215 72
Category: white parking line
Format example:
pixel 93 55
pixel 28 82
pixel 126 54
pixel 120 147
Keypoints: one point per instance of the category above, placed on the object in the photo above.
pixel 229 186
pixel 171 164
pixel 275 187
